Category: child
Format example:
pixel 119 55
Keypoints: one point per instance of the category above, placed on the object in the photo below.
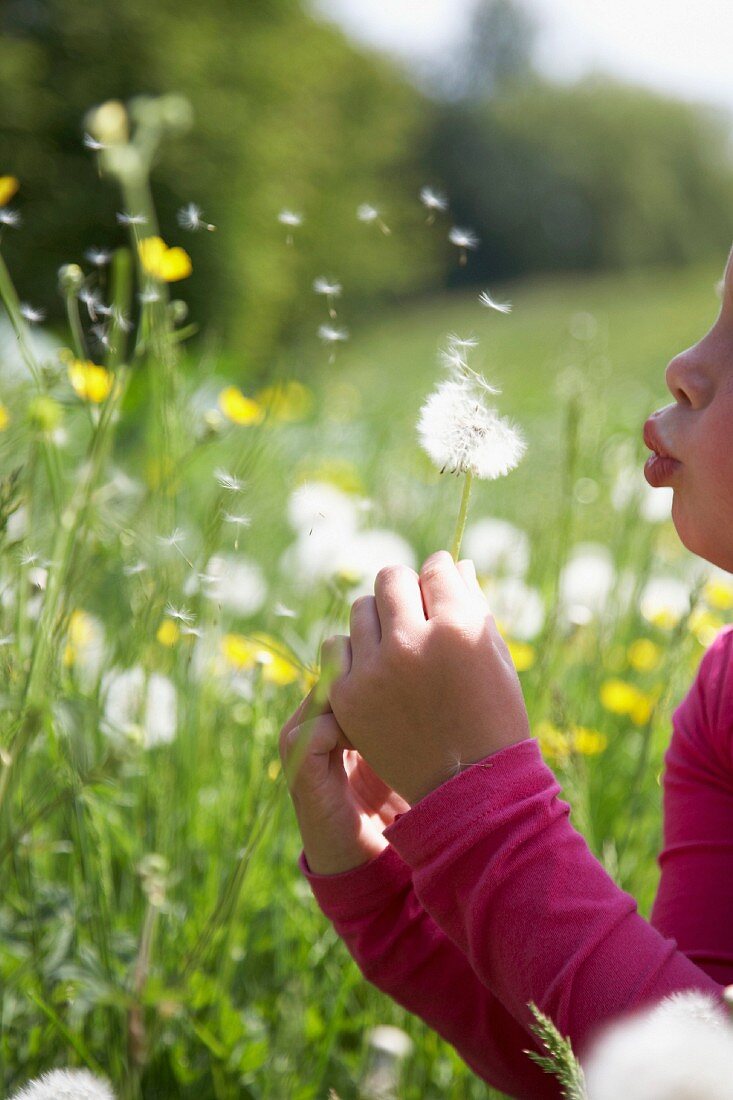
pixel 433 835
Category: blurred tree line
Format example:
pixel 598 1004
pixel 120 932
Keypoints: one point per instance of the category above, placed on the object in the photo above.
pixel 289 114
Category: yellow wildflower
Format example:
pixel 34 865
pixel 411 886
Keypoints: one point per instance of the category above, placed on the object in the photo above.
pixel 168 632
pixel 523 655
pixel 588 742
pixel 238 408
pixel 644 655
pixel 718 594
pixel 555 744
pixel 620 697
pixel 336 471
pixel 8 186
pixel 91 383
pixel 245 651
pixel 4 417
pixel 273 770
pixel 288 401
pixel 705 626
pixel 164 263
pixel 81 633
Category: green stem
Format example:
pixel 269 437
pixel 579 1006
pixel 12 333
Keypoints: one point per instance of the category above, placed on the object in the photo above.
pixel 462 515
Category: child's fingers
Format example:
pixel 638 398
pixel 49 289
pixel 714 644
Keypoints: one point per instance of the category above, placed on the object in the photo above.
pixel 443 590
pixel 468 572
pixel 335 661
pixel 317 737
pixel 364 627
pixel 399 599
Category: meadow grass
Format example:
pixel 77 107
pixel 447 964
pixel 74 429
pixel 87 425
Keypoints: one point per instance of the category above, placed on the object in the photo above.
pixel 154 924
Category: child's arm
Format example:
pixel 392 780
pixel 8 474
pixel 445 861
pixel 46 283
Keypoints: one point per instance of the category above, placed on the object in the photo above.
pixel 366 890
pixel 430 685
pixel 695 898
pixel 401 951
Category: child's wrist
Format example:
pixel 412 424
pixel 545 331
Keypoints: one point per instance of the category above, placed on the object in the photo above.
pixel 327 856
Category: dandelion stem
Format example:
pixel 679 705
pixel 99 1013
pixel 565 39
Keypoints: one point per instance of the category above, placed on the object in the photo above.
pixel 463 513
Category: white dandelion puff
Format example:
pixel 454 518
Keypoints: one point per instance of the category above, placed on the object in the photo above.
pixel 463 239
pixel 92 143
pixel 131 219
pixel 461 433
pixel 370 215
pixel 66 1084
pixel 99 257
pixel 10 217
pixel 32 315
pixel 501 307
pixel 191 217
pixel 434 202
pixel 228 481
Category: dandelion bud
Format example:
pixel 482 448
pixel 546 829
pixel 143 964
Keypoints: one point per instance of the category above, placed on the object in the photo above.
pixel 178 310
pixel 71 279
pixel 108 123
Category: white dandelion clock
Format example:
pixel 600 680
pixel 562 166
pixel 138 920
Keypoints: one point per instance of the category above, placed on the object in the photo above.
pixel 138 707
pixel 497 547
pixel 664 601
pixel 501 307
pixel 463 239
pixel 586 582
pixel 517 607
pixel 66 1084
pixel 234 582
pixel 461 433
pixel 676 1051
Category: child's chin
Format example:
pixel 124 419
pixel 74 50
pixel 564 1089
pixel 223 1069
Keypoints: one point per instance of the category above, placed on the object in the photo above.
pixel 704 544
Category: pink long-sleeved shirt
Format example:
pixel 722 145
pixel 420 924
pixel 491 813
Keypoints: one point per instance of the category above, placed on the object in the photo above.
pixel 486 898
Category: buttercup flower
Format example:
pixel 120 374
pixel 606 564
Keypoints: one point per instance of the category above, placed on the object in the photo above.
pixel 164 263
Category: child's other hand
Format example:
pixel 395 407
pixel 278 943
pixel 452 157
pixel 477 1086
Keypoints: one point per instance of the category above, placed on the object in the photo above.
pixel 428 685
pixel 342 807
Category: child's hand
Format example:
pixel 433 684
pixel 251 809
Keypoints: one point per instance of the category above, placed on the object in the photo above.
pixel 341 805
pixel 430 685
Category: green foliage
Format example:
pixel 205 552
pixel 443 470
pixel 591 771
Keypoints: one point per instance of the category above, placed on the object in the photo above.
pixel 287 115
pixel 595 175
pixel 559 1060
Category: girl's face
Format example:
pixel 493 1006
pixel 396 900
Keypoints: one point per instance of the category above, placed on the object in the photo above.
pixel 692 439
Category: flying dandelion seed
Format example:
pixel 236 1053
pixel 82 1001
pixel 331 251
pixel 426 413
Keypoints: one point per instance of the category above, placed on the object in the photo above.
pixel 180 614
pixel 92 300
pixel 90 142
pixel 10 217
pixel 134 568
pixel 284 612
pixel 32 315
pixel 330 290
pixel 331 335
pixel 369 214
pixel 291 220
pixel 191 217
pixel 501 307
pixel 463 239
pixel 115 314
pixel 228 481
pixel 131 219
pixel 148 297
pixel 239 523
pixel 101 335
pixel 174 540
pixel 99 257
pixel 434 201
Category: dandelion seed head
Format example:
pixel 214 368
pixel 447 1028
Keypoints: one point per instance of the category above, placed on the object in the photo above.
pixel 463 238
pixel 329 287
pixel 501 307
pixel 228 481
pixel 32 315
pixel 331 335
pixel 66 1084
pixel 461 433
pixel 290 218
pixel 10 217
pixel 433 200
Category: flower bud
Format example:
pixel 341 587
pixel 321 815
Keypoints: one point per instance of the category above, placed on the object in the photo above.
pixel 178 311
pixel 108 123
pixel 71 278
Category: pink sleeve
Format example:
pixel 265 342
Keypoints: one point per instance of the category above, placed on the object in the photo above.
pixel 400 949
pixel 695 898
pixel 497 864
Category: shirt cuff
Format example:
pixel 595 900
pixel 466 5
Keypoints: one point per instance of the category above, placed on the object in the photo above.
pixel 364 888
pixel 458 812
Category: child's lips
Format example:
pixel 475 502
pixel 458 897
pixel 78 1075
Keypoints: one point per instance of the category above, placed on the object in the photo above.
pixel 661 466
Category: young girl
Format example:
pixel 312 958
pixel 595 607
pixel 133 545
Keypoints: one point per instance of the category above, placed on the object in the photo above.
pixel 433 835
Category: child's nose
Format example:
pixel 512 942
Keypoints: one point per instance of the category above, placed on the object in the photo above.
pixel 685 377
